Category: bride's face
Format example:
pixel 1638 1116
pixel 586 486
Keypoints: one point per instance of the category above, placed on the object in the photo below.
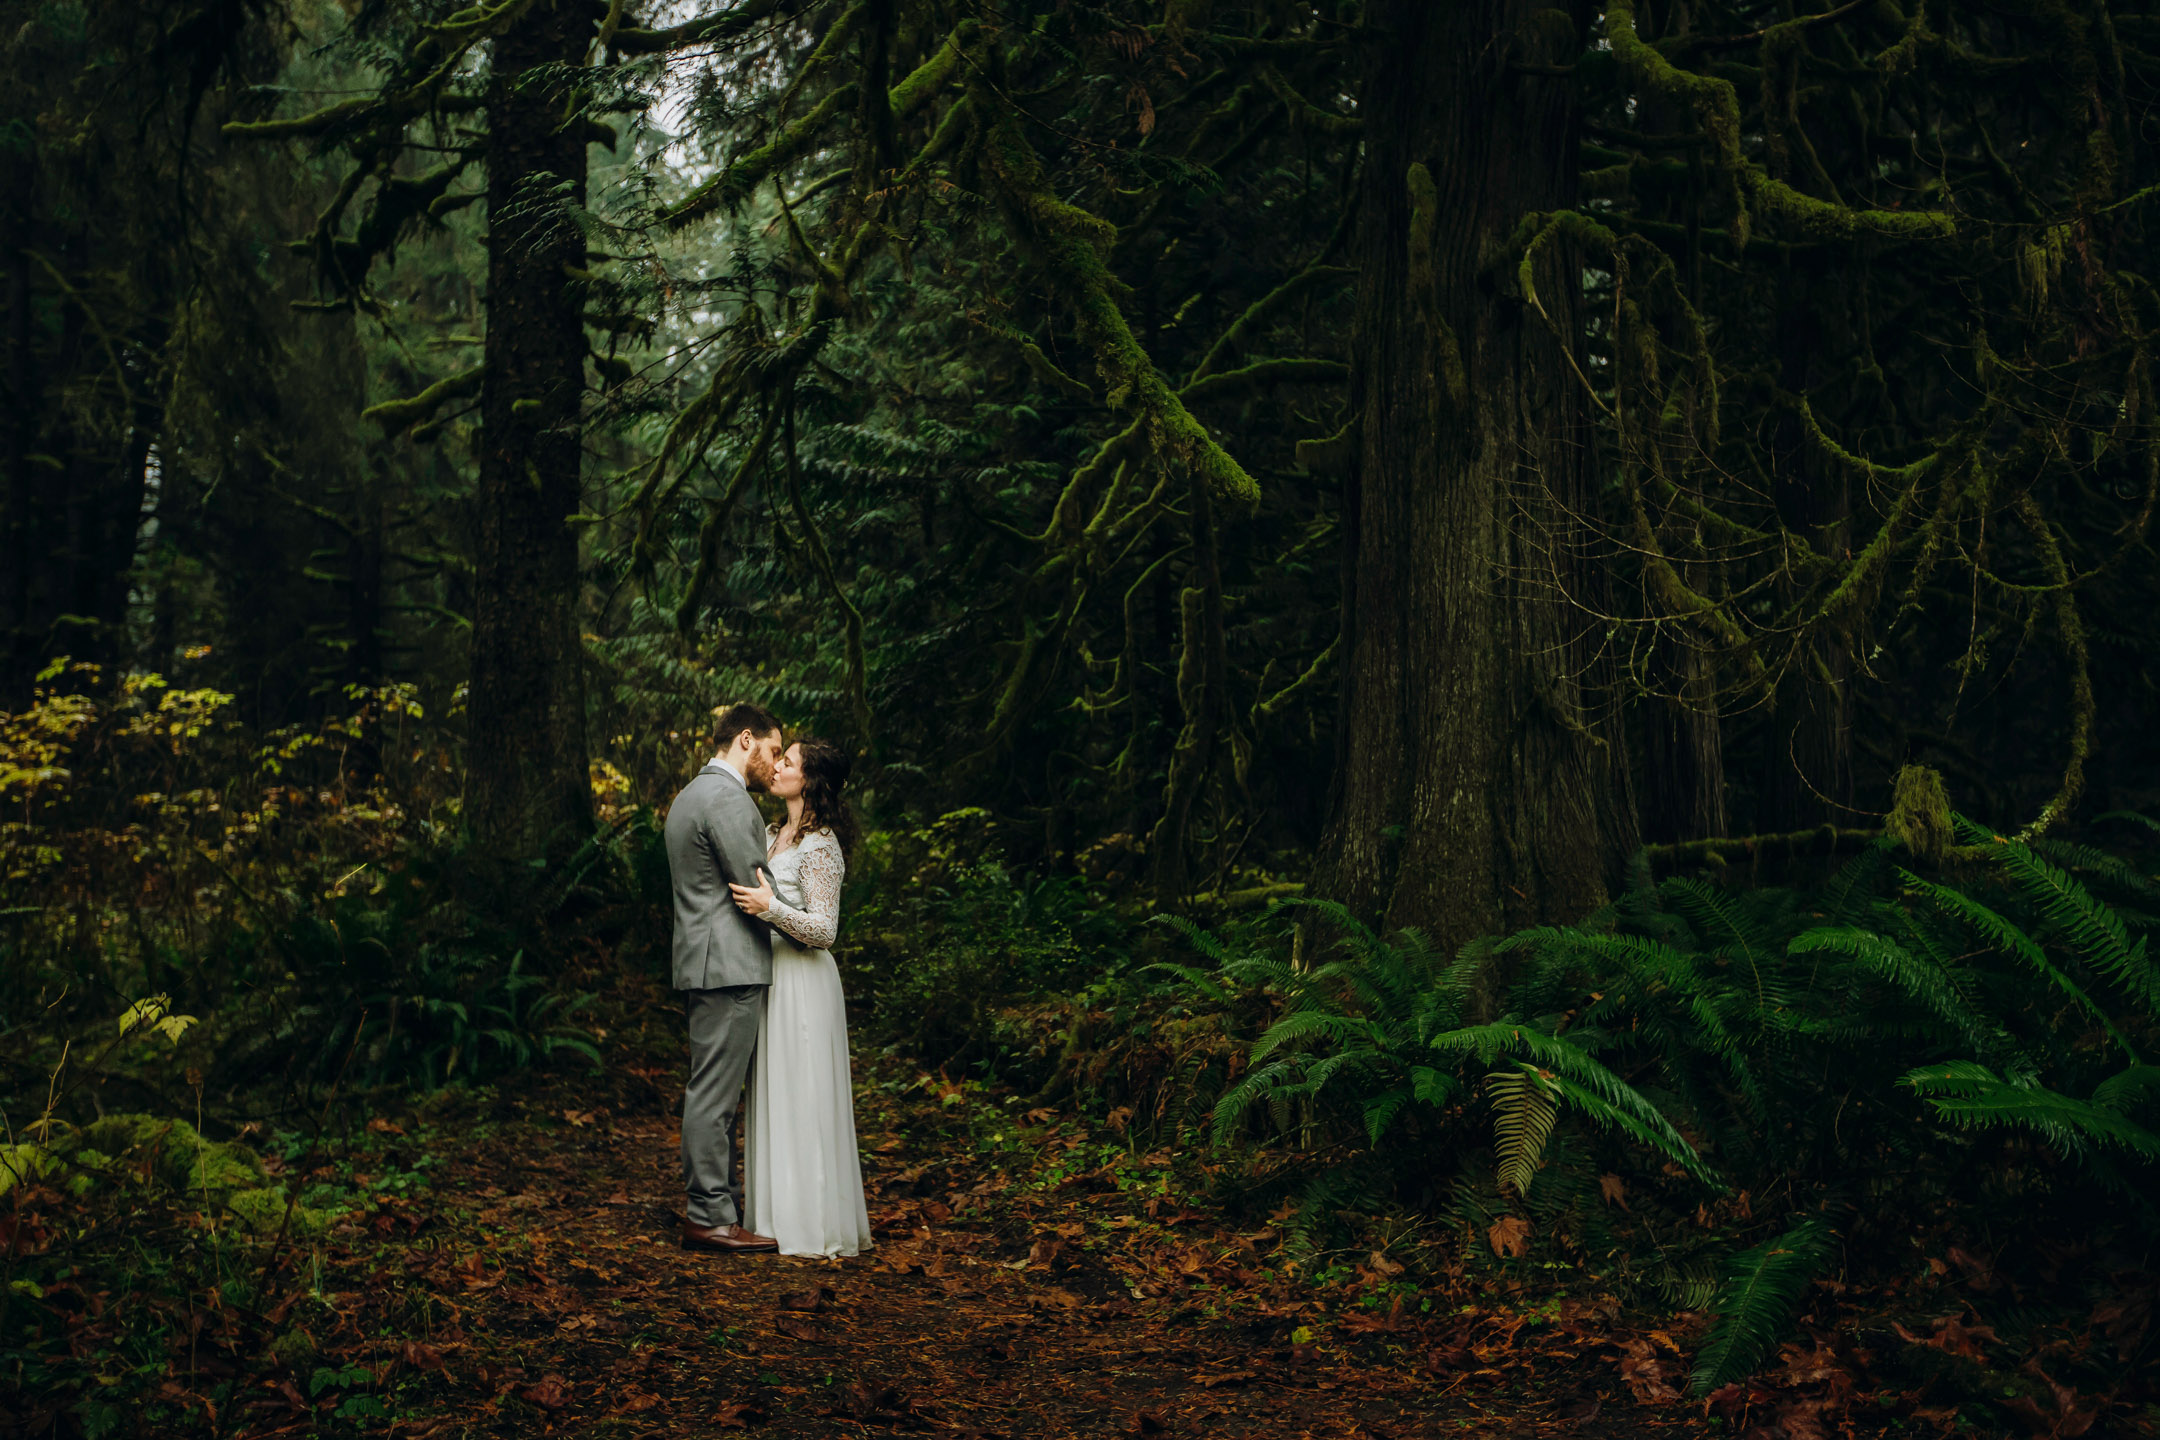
pixel 787 776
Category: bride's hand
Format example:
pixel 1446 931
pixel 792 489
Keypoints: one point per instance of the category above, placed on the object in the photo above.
pixel 757 901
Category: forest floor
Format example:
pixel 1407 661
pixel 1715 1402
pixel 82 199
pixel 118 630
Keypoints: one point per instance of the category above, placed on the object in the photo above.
pixel 1034 1275
pixel 508 1266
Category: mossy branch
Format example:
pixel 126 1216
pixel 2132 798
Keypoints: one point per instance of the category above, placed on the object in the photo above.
pixel 715 526
pixel 1271 706
pixel 397 415
pixel 2070 630
pixel 1073 246
pixel 1303 112
pixel 1716 104
pixel 1721 850
pixel 1859 581
pixel 709 30
pixel 1294 371
pixel 314 123
pixel 735 184
pixel 922 84
pixel 1332 454
pixel 1312 277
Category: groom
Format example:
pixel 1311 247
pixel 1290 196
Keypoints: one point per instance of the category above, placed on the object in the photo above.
pixel 723 964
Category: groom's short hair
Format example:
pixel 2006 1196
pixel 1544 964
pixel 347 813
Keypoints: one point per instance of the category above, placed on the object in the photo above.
pixel 743 716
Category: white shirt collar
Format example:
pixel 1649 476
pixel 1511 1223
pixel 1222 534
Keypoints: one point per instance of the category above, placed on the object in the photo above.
pixel 730 771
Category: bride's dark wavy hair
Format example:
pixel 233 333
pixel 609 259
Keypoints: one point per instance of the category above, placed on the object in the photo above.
pixel 825 769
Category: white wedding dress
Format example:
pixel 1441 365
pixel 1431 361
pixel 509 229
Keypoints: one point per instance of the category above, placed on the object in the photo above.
pixel 803 1173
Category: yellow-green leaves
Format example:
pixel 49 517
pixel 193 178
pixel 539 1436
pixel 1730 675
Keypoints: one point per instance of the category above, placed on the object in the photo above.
pixel 155 1013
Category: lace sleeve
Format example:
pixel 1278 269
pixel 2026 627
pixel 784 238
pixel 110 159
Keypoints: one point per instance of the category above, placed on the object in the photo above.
pixel 818 925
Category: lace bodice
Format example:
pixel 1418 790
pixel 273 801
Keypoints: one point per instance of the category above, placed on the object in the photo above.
pixel 806 888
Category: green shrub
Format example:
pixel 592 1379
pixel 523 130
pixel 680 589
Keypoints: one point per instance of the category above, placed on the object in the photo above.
pixel 1708 1040
pixel 944 941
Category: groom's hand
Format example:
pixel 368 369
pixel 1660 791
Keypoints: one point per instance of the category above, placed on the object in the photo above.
pixel 753 901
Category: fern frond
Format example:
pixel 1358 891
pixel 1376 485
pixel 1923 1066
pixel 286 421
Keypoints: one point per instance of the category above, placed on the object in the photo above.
pixel 2092 926
pixel 1975 1097
pixel 1756 1303
pixel 1596 1091
pixel 2012 941
pixel 1382 1111
pixel 1692 1288
pixel 1253 1088
pixel 2132 1092
pixel 1210 984
pixel 1523 1119
pixel 1306 1024
pixel 1713 911
pixel 1854 886
pixel 1924 982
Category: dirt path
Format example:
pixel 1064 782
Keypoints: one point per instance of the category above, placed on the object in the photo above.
pixel 1034 1276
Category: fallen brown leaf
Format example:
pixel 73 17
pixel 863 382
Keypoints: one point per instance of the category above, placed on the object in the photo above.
pixel 738 1415
pixel 1648 1378
pixel 422 1357
pixel 798 1329
pixel 551 1392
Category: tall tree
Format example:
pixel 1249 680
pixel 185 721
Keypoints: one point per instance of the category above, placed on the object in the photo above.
pixel 411 143
pixel 527 753
pixel 1473 788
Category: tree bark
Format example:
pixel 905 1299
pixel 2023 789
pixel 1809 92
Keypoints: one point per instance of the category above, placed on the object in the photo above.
pixel 529 792
pixel 1683 782
pixel 1472 792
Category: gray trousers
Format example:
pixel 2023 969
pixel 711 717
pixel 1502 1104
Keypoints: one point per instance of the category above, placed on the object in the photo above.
pixel 723 1038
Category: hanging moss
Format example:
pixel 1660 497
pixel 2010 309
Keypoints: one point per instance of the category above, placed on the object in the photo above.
pixel 1920 816
pixel 1073 245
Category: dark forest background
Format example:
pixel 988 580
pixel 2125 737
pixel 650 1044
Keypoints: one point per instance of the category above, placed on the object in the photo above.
pixel 1476 598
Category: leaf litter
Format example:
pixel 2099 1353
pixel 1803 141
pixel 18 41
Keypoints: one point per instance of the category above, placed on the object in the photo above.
pixel 1046 1278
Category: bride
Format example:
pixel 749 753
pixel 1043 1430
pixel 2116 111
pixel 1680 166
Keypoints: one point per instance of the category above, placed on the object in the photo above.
pixel 804 1175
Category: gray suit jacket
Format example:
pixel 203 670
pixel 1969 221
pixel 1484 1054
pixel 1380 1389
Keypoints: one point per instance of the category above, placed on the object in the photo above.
pixel 715 835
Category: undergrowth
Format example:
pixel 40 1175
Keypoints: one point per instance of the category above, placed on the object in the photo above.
pixel 1715 1096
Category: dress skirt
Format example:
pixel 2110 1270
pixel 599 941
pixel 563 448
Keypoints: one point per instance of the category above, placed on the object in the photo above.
pixel 804 1181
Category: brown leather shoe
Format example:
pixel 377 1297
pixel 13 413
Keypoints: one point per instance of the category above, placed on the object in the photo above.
pixel 726 1239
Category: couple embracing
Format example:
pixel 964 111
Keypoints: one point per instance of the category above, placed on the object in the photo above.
pixel 757 907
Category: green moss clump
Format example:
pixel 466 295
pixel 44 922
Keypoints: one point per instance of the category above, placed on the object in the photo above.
pixel 263 1211
pixel 1920 813
pixel 20 1164
pixel 220 1173
pixel 177 1154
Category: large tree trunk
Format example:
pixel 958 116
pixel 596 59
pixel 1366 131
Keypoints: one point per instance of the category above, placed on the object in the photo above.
pixel 529 791
pixel 71 497
pixel 1472 792
pixel 1683 780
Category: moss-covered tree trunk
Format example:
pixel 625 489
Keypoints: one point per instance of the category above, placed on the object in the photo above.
pixel 1472 792
pixel 528 788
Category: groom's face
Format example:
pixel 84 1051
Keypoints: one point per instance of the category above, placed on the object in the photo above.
pixel 764 754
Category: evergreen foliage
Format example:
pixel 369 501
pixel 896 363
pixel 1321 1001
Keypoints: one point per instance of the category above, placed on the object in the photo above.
pixel 1756 1302
pixel 1786 1034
